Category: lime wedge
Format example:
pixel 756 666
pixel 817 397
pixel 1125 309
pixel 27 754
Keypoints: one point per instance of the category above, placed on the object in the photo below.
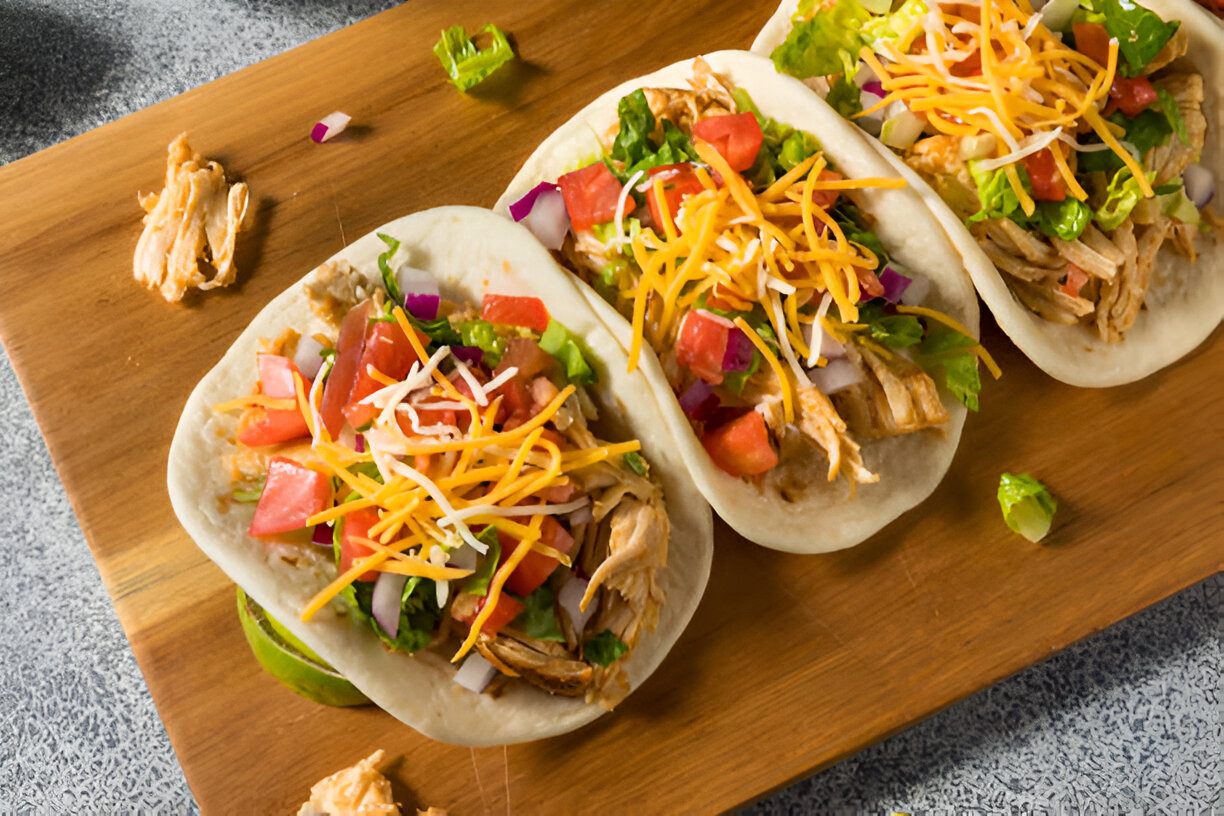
pixel 292 662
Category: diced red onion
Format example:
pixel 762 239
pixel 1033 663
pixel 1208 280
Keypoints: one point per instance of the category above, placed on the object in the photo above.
pixel 359 445
pixel 462 558
pixel 548 220
pixel 894 284
pixel 386 600
pixel 838 374
pixel 476 673
pixel 472 355
pixel 322 535
pixel 696 396
pixel 422 307
pixel 307 358
pixel 1200 185
pixel 520 208
pixel 916 292
pixel 330 125
pixel 569 598
pixel 875 89
pixel 738 355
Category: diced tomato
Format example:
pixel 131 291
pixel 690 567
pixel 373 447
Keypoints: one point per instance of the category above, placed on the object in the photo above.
pixel 736 137
pixel 388 350
pixel 344 371
pixel 357 525
pixel 276 376
pixel 428 416
pixel 826 198
pixel 741 447
pixel 1047 182
pixel 535 567
pixel 701 345
pixel 516 402
pixel 678 181
pixel 970 66
pixel 292 494
pixel 525 355
pixel 555 438
pixel 591 195
pixel 1076 278
pixel 543 391
pixel 269 426
pixel 1092 40
pixel 514 310
pixel 508 608
pixel 1132 96
pixel 559 493
pixel 869 284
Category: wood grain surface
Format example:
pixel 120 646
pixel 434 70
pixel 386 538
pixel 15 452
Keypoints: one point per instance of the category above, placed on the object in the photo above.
pixel 791 662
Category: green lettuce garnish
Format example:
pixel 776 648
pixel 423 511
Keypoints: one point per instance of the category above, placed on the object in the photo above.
pixel 604 648
pixel 892 331
pixel 827 43
pixel 1121 197
pixel 1064 219
pixel 892 27
pixel 439 330
pixel 1168 106
pixel 539 616
pixel 1140 33
pixel 844 97
pixel 633 145
pixel 384 266
pixel 782 147
pixel 478 582
pixel 945 350
pixel 419 613
pixel 1151 128
pixel 482 335
pixel 1028 508
pixel 637 463
pixel 995 192
pixel 561 343
pixel 464 62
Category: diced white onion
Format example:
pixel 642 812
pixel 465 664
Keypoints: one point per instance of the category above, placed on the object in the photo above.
pixel 385 602
pixel 333 124
pixel 1199 183
pixel 476 673
pixel 840 373
pixel 569 598
pixel 307 358
pixel 917 291
pixel 548 220
pixel 413 281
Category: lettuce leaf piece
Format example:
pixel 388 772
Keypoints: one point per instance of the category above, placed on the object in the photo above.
pixel 941 349
pixel 465 64
pixel 853 224
pixel 480 333
pixel 636 124
pixel 1121 197
pixel 782 147
pixel 827 43
pixel 1028 507
pixel 844 97
pixel 891 331
pixel 419 613
pixel 892 27
pixel 996 194
pixel 637 463
pixel 440 331
pixel 604 649
pixel 561 343
pixel 1151 128
pixel 539 616
pixel 1063 219
pixel 384 266
pixel 478 582
pixel 250 494
pixel 1168 106
pixel 1140 33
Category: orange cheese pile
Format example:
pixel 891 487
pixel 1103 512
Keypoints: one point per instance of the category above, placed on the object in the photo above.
pixel 1028 87
pixel 775 248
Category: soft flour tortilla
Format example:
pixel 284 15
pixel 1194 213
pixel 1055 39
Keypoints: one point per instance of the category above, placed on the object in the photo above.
pixel 464 247
pixel 910 466
pixel 1185 301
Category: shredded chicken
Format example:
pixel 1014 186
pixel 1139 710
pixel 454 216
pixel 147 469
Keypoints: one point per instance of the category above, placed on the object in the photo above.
pixel 544 664
pixel 937 159
pixel 1176 46
pixel 195 218
pixel 1171 159
pixel 334 289
pixel 1121 298
pixel 359 788
pixel 894 397
pixel 710 95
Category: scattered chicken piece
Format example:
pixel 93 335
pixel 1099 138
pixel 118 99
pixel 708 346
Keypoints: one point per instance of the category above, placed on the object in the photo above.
pixel 195 218
pixel 334 289
pixel 544 664
pixel 894 397
pixel 360 788
pixel 1171 159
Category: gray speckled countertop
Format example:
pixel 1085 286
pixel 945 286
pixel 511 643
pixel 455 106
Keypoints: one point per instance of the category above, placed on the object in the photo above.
pixel 1126 721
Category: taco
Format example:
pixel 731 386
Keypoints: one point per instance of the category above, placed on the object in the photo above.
pixel 814 357
pixel 1070 152
pixel 429 450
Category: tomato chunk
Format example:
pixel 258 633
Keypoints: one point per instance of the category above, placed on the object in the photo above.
pixel 292 494
pixel 678 181
pixel 1092 40
pixel 702 344
pixel 1076 278
pixel 737 138
pixel 1047 182
pixel 591 195
pixel 512 310
pixel 535 567
pixel 508 608
pixel 276 375
pixel 387 350
pixel 344 371
pixel 1132 96
pixel 269 426
pixel 524 354
pixel 357 525
pixel 741 447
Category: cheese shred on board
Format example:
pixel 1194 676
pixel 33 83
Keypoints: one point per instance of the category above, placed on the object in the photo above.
pixel 445 459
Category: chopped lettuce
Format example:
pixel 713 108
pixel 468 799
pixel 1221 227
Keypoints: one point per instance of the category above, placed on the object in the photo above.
pixel 946 349
pixel 633 145
pixel 892 331
pixel 995 192
pixel 465 64
pixel 419 613
pixel 250 494
pixel 822 42
pixel 637 463
pixel 1151 128
pixel 384 266
pixel 478 582
pixel 604 649
pixel 1140 33
pixel 1028 507
pixel 1120 198
pixel 480 333
pixel 1064 219
pixel 1060 219
pixel 561 343
pixel 892 27
pixel 844 97
pixel 1168 106
pixel 539 616
pixel 440 331
pixel 782 147
pixel 853 224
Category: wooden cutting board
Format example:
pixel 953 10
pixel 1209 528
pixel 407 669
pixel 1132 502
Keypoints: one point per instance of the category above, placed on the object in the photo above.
pixel 791 662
